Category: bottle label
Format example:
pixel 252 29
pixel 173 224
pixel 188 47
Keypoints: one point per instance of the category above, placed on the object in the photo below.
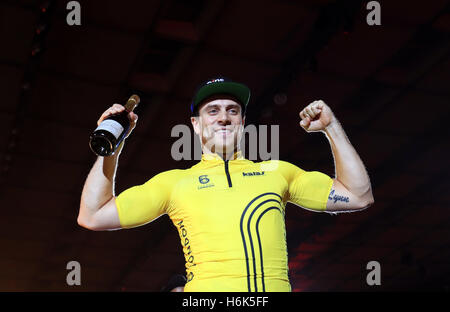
pixel 111 126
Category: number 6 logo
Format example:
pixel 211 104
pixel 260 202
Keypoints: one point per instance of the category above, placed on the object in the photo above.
pixel 203 179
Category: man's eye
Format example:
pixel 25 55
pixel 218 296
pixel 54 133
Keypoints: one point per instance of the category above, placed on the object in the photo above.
pixel 213 111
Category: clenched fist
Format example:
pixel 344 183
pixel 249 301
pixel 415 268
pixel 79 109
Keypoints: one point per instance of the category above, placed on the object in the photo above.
pixel 316 116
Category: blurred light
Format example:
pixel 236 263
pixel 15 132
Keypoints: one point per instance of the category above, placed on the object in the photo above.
pixel 40 29
pixel 35 50
pixel 11 145
pixel 26 86
pixel 280 98
pixel 44 6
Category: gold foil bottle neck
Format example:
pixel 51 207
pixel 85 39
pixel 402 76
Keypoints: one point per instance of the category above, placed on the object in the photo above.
pixel 132 102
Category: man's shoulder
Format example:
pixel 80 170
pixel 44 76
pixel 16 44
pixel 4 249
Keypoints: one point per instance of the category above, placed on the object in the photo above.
pixel 273 164
pixel 168 175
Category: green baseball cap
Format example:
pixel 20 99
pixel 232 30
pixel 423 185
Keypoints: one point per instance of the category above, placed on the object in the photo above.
pixel 221 86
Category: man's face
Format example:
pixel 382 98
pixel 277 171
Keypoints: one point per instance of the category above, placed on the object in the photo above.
pixel 220 124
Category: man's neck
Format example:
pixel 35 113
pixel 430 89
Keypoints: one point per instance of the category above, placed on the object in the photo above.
pixel 225 156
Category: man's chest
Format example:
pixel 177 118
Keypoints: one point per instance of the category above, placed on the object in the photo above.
pixel 214 196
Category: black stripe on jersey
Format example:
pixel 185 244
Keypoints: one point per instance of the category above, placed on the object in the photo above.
pixel 250 237
pixel 260 247
pixel 251 240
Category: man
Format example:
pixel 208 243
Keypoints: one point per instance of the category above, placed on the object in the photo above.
pixel 229 211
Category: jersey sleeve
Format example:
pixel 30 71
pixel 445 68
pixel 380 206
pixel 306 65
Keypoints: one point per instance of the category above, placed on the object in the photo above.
pixel 144 203
pixel 308 189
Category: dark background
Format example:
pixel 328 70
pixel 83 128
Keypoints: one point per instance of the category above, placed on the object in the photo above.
pixel 388 85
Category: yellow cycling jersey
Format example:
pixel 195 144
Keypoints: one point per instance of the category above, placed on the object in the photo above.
pixel 230 217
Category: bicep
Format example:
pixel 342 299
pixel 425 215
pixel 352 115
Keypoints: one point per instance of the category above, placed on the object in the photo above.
pixel 107 217
pixel 341 199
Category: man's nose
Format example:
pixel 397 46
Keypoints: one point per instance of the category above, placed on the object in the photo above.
pixel 223 117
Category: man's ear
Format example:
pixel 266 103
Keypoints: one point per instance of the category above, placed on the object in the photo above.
pixel 195 124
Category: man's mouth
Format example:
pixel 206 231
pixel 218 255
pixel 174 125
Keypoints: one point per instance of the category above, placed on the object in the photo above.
pixel 224 131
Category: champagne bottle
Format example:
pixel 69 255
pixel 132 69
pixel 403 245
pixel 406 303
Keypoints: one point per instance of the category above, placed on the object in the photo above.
pixel 107 137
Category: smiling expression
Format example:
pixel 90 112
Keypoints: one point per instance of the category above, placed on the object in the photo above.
pixel 220 124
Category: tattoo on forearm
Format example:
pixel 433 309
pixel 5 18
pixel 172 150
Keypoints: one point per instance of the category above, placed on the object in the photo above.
pixel 336 197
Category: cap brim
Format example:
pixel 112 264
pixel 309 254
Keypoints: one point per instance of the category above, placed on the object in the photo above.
pixel 238 90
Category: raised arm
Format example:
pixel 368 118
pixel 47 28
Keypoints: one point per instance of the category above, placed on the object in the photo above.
pixel 351 188
pixel 98 210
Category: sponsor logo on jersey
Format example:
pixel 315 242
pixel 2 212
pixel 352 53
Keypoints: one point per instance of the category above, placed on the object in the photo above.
pixel 254 173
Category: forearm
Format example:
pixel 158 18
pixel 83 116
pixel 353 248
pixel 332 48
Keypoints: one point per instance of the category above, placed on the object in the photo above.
pixel 98 188
pixel 350 170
